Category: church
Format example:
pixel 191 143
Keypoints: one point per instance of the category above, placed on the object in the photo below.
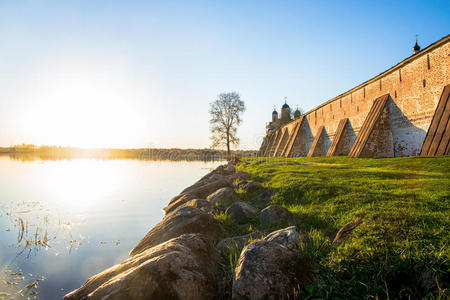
pixel 286 117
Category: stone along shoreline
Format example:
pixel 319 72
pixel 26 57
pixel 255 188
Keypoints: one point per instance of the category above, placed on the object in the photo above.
pixel 188 255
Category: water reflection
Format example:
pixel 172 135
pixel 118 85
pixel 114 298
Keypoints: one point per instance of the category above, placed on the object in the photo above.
pixel 63 221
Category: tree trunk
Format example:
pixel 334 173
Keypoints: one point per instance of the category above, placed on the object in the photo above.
pixel 228 145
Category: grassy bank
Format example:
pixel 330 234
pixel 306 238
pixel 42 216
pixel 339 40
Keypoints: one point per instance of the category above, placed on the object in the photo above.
pixel 400 250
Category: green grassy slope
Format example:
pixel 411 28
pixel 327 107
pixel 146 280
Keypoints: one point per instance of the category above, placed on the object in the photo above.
pixel 400 250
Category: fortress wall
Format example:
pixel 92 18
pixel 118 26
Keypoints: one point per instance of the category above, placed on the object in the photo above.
pixel 414 85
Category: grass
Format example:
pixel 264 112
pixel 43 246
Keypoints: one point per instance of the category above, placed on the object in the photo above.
pixel 401 249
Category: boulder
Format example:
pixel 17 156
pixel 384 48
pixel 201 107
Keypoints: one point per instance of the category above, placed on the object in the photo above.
pixel 288 237
pixel 223 197
pixel 239 184
pixel 182 221
pixel 275 214
pixel 268 270
pixel 225 170
pixel 266 195
pixel 345 232
pixel 215 177
pixel 241 212
pixel 220 169
pixel 208 178
pixel 243 175
pixel 238 177
pixel 238 242
pixel 234 161
pixel 202 204
pixel 181 268
pixel 253 187
pixel 203 190
pixel 230 169
pixel 178 201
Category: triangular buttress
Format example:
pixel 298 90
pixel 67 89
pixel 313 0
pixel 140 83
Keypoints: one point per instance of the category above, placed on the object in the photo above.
pixel 438 136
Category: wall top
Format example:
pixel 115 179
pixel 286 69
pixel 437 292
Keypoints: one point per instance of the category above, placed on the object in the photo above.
pixel 404 62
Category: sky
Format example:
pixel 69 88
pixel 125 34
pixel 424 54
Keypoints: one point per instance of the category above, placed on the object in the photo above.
pixel 135 74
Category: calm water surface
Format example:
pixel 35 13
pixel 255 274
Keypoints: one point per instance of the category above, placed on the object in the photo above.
pixel 64 221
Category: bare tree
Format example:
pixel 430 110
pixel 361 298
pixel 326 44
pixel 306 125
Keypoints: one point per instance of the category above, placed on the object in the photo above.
pixel 225 117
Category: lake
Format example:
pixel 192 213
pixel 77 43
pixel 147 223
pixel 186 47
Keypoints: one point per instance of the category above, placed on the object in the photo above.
pixel 62 221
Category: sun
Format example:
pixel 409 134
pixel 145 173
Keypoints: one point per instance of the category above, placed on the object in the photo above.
pixel 84 108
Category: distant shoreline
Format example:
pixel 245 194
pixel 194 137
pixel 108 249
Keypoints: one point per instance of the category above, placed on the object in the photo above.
pixel 31 152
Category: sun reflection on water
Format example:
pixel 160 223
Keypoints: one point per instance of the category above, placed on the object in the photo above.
pixel 63 221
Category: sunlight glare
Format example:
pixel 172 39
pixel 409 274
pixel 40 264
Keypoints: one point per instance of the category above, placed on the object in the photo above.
pixel 85 107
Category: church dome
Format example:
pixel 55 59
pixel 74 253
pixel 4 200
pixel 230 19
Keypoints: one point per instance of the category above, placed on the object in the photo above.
pixel 416 47
pixel 285 106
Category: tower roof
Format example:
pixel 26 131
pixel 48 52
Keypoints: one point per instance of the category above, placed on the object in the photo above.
pixel 416 47
pixel 274 110
pixel 285 104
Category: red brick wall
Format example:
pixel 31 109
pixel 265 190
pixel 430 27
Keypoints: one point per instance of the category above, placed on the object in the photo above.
pixel 415 86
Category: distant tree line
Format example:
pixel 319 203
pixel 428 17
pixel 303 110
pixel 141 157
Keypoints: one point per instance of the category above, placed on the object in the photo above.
pixel 31 152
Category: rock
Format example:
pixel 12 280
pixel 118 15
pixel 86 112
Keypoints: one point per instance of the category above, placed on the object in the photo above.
pixel 178 201
pixel 181 268
pixel 230 169
pixel 253 187
pixel 268 270
pixel 241 212
pixel 225 170
pixel 239 176
pixel 265 196
pixel 202 191
pixel 288 237
pixel 240 183
pixel 181 221
pixel 204 181
pixel 208 178
pixel 244 227
pixel 212 175
pixel 345 232
pixel 238 242
pixel 242 175
pixel 220 169
pixel 202 204
pixel 223 197
pixel 275 214
pixel 234 161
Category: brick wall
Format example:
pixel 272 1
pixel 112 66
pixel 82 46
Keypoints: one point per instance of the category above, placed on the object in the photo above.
pixel 414 85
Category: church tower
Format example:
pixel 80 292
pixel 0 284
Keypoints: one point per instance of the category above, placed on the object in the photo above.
pixel 274 115
pixel 285 112
pixel 297 114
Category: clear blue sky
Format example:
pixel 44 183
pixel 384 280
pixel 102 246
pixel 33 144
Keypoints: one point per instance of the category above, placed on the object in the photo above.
pixel 141 73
